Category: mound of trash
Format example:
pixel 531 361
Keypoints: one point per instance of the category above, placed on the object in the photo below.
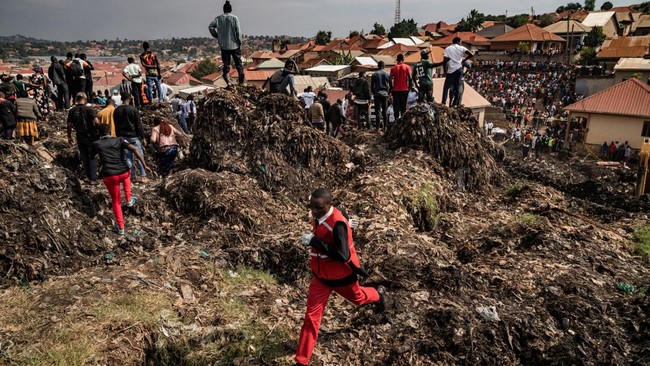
pixel 265 136
pixel 454 138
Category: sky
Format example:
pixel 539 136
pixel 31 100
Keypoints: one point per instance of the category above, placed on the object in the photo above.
pixel 70 20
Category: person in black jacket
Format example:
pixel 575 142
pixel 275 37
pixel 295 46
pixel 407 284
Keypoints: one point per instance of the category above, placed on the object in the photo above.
pixel 361 91
pixel 83 119
pixel 115 171
pixel 56 72
pixel 7 117
pixel 129 127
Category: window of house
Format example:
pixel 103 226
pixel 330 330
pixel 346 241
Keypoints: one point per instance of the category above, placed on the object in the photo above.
pixel 646 129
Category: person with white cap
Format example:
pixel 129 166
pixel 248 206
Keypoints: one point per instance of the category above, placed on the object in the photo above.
pixel 117 98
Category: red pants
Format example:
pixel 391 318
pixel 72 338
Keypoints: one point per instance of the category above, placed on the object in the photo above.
pixel 113 185
pixel 316 302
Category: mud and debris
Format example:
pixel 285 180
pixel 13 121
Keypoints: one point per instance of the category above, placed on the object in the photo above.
pixel 487 259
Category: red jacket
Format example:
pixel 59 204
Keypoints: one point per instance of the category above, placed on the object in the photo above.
pixel 322 265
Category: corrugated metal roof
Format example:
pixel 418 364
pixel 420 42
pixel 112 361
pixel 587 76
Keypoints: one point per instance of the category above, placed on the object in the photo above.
pixel 258 75
pixel 598 18
pixel 273 63
pixel 632 64
pixel 466 37
pixel 629 98
pixel 527 33
pixel 328 68
pixel 369 61
pixel 625 47
pixel 574 27
pixel 301 82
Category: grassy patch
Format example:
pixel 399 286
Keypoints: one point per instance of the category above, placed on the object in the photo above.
pixel 642 240
pixel 422 204
pixel 528 220
pixel 516 189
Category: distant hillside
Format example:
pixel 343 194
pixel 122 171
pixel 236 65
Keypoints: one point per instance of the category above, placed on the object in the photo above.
pixel 20 38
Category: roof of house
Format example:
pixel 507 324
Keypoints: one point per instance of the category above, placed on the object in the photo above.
pixel 598 18
pixel 625 47
pixel 289 54
pixel 259 75
pixel 365 61
pixel 303 81
pixel 180 78
pixel 579 15
pixel 574 26
pixel 273 63
pixel 402 48
pixel 629 98
pixel 527 33
pixel 213 77
pixel 328 68
pixel 436 56
pixel 433 27
pixel 494 30
pixel 471 98
pixel 644 21
pixel 388 59
pixel 373 43
pixel 633 64
pixel 466 37
pixel 411 41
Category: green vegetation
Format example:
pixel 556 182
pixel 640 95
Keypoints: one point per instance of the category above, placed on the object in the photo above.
pixel 405 28
pixel 378 29
pixel 518 20
pixel 587 56
pixel 595 37
pixel 590 5
pixel 516 189
pixel 642 240
pixel 606 6
pixel 569 6
pixel 472 23
pixel 422 204
pixel 323 37
pixel 528 220
pixel 205 67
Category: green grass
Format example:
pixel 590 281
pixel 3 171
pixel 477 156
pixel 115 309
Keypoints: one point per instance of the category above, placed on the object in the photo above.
pixel 423 206
pixel 642 240
pixel 516 189
pixel 528 220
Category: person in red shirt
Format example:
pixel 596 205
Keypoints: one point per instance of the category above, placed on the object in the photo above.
pixel 401 82
pixel 335 266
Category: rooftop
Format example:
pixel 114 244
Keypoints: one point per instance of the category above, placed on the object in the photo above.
pixel 528 33
pixel 633 64
pixel 629 98
pixel 574 26
pixel 598 18
pixel 466 37
pixel 328 68
pixel 625 47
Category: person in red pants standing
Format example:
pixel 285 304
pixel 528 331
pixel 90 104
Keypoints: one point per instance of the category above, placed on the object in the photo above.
pixel 335 266
pixel 115 171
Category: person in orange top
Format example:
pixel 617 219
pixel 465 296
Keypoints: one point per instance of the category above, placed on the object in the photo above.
pixel 105 116
pixel 335 266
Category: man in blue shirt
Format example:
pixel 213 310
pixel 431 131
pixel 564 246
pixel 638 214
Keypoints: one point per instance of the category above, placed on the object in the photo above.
pixel 226 29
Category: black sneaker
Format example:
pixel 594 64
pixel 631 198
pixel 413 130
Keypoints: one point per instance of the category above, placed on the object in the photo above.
pixel 381 304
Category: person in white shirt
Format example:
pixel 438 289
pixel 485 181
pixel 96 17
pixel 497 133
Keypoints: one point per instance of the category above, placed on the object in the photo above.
pixel 308 97
pixel 166 90
pixel 133 73
pixel 454 58
pixel 391 113
pixel 116 98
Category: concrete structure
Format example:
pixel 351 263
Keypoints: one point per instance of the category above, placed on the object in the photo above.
pixel 494 30
pixel 642 26
pixel 574 32
pixel 627 68
pixel 619 113
pixel 536 38
pixel 604 19
pixel 331 72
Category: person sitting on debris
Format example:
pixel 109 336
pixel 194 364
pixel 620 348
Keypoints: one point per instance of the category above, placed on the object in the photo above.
pixel 316 115
pixel 7 117
pixel 83 119
pixel 335 266
pixel 115 171
pixel 105 116
pixel 129 126
pixel 166 138
pixel 27 113
pixel 282 78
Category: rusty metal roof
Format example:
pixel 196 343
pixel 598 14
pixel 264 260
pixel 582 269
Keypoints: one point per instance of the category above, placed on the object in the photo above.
pixel 625 47
pixel 629 98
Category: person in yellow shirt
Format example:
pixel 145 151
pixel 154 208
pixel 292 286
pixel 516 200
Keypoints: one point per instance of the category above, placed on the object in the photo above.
pixel 106 115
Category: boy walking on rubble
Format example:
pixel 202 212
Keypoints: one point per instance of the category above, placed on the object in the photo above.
pixel 335 266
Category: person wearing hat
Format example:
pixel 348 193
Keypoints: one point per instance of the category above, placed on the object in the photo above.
pixel 423 76
pixel 56 72
pixel 226 29
pixel 117 98
pixel 38 83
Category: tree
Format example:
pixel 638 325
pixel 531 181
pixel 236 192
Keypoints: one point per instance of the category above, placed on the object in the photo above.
pixel 405 28
pixel 595 37
pixel 587 56
pixel 472 23
pixel 589 5
pixel 606 5
pixel 378 29
pixel 518 20
pixel 205 67
pixel 546 20
pixel 323 37
pixel 523 47
pixel 569 6
pixel 353 34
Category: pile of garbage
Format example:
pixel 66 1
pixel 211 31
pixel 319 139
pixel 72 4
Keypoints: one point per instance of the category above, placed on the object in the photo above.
pixel 265 136
pixel 453 137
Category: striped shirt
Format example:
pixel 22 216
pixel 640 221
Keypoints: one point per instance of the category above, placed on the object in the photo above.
pixel 225 27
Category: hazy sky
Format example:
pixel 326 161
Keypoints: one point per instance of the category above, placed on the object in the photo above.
pixel 150 19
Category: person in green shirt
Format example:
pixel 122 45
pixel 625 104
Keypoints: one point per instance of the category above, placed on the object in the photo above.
pixel 423 77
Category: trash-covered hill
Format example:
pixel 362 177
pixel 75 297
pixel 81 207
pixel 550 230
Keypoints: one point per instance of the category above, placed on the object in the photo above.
pixel 485 262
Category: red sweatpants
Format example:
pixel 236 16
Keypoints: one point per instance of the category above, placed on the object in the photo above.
pixel 319 293
pixel 113 184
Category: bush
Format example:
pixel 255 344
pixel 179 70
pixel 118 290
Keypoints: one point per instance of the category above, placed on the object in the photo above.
pixel 642 238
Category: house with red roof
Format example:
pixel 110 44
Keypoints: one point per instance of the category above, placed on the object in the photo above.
pixel 471 41
pixel 535 37
pixel 618 113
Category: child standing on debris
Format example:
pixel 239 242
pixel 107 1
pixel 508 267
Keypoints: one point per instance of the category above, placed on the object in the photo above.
pixel 115 171
pixel 335 266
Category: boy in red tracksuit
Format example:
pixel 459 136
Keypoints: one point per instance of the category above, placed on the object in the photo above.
pixel 335 265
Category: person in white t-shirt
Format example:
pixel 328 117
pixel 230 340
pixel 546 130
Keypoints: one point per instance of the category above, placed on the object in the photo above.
pixel 133 73
pixel 454 58
pixel 308 97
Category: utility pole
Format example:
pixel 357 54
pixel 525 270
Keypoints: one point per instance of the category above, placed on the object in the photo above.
pixel 398 14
